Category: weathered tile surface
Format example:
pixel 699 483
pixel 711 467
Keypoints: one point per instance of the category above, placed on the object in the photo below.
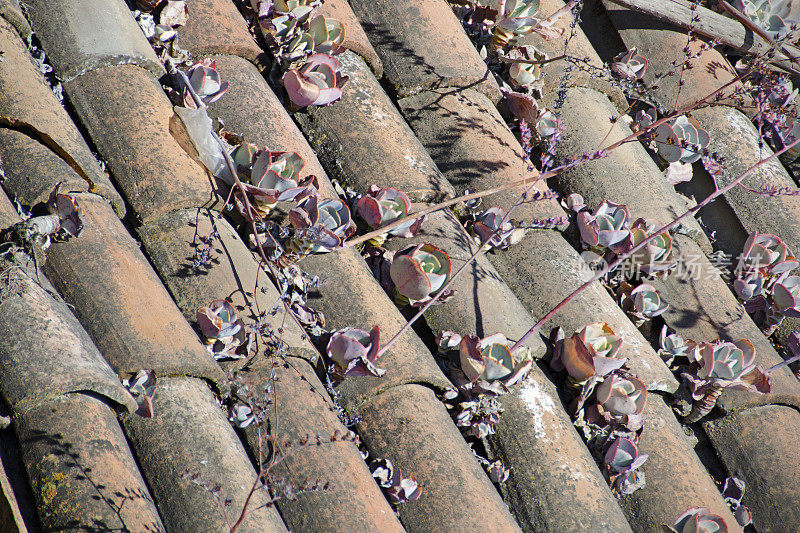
pixel 81 470
pixel 355 39
pixel 189 435
pixel 81 35
pixel 31 168
pixel 759 446
pixel 303 409
pixel 362 139
pixel 135 130
pixel 120 300
pixel 422 46
pixel 216 28
pixel 409 426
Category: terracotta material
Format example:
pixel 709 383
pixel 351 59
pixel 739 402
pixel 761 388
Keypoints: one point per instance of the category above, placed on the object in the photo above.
pixel 233 274
pixel 355 38
pixel 423 46
pixel 555 484
pixel 217 28
pixel 362 140
pixel 759 445
pixel 133 126
pixel 120 300
pixel 81 35
pixel 354 501
pixel 31 168
pixel 190 435
pixel 81 470
pixel 410 427
pixel 250 108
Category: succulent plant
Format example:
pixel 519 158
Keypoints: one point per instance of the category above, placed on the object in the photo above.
pixel 641 303
pixel 65 208
pixel 732 493
pixel 205 80
pixel 698 520
pixel 786 294
pixel 518 18
pixel 766 254
pixel 498 473
pixel 606 228
pixel 490 229
pixel 479 416
pixel 681 139
pixel 483 365
pixel 318 82
pixel 673 345
pixel 419 271
pixel 763 282
pixel 722 365
pixel 381 206
pixel 773 16
pixel 525 75
pixel 592 352
pixel 623 461
pixel 654 257
pixel 142 387
pixel 354 352
pixel 328 35
pixel 223 330
pixel 273 177
pixel 621 395
pixel 322 225
pixel 398 489
pixel 241 415
pixel 299 9
pixel 525 108
pixel 630 65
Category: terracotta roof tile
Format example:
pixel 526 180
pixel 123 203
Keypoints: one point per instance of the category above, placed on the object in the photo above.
pixel 80 36
pixel 422 46
pixel 216 28
pixel 121 302
pixel 133 126
pixel 80 468
pixel 21 82
pixel 189 432
pixel 65 415
pixel 363 140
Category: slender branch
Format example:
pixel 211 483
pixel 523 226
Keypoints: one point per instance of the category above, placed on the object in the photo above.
pixel 532 61
pixel 608 268
pixel 785 362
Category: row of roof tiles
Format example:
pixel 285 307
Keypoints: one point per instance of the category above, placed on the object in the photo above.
pixel 112 89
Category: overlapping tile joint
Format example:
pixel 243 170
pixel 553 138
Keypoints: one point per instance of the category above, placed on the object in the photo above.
pixel 122 297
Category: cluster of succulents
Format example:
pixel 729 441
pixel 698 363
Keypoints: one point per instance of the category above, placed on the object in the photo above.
pixel 268 178
pixel 517 18
pixel 707 368
pixel 354 352
pixel 398 489
pixel 609 232
pixel 773 16
pixel 630 65
pixel 304 44
pixel 142 387
pixel 482 365
pixel 224 332
pixel 321 225
pixel 159 21
pixel 491 229
pixel 413 275
pixel 382 206
pixel 607 400
pixel 764 282
pixel 699 520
